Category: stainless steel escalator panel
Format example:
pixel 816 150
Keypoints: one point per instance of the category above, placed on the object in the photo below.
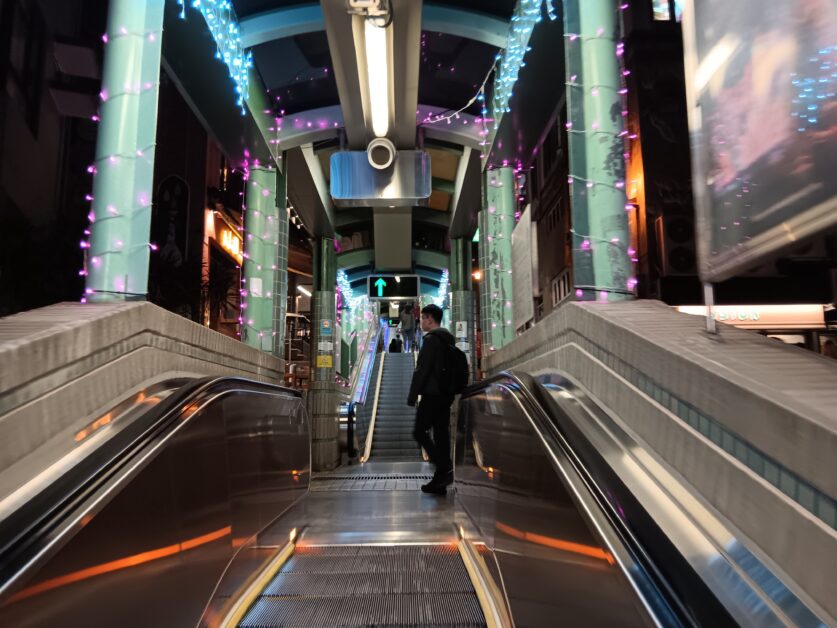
pixel 752 591
pixel 555 565
pixel 167 521
pixel 362 585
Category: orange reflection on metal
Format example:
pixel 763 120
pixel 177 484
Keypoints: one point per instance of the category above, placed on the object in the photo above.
pixel 238 542
pixel 121 563
pixel 548 541
pixel 92 427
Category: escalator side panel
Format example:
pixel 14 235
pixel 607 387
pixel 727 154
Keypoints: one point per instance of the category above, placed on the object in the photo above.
pixel 553 564
pixel 167 525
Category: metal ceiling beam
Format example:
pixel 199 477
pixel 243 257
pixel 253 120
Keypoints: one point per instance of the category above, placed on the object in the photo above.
pixel 308 192
pixel 466 199
pixel 308 18
pixel 406 38
pixel 464 130
pixel 306 127
pixel 469 24
pixel 344 58
pixel 281 23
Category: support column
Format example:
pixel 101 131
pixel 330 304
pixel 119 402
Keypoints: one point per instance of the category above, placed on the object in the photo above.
pixel 602 268
pixel 118 255
pixel 462 299
pixel 496 223
pixel 260 241
pixel 280 285
pixel 322 396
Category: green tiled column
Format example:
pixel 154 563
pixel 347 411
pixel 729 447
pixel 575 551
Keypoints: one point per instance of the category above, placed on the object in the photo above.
pixel 602 268
pixel 322 396
pixel 496 223
pixel 261 232
pixel 118 255
pixel 462 298
pixel 280 285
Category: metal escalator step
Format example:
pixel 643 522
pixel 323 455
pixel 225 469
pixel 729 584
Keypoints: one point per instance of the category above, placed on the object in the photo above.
pixel 449 610
pixel 369 586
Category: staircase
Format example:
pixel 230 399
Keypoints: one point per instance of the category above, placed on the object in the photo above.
pixel 393 437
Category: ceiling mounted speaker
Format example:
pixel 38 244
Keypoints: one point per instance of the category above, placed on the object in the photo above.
pixel 380 153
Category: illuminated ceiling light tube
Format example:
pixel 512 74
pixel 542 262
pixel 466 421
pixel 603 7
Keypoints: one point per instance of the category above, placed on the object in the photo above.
pixel 377 75
pixel 304 291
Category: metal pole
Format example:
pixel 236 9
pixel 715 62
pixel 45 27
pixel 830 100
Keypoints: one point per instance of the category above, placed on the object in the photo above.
pixel 709 300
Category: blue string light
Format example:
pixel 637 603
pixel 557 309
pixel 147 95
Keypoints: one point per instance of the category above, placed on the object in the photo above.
pixel 222 22
pixel 815 88
pixel 526 15
pixel 442 294
pixel 350 301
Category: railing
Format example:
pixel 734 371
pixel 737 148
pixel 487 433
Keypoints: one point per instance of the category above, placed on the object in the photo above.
pixel 360 379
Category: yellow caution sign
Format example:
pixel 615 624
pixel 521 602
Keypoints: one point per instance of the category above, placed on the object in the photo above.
pixel 325 361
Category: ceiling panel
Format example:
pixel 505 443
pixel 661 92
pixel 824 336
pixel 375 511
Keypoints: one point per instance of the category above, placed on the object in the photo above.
pixel 439 200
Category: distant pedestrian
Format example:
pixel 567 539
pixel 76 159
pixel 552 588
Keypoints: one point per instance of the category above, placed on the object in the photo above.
pixel 396 345
pixel 434 408
pixel 407 326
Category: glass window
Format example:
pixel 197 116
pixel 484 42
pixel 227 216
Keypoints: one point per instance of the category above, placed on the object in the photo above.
pixel 667 10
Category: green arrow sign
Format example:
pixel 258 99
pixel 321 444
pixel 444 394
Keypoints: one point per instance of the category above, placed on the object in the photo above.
pixel 380 285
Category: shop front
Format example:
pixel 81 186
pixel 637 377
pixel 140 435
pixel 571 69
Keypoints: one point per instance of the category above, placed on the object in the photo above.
pixel 803 325
pixel 223 257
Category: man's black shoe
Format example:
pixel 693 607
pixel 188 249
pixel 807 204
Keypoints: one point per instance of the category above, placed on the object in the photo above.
pixel 434 488
pixel 445 479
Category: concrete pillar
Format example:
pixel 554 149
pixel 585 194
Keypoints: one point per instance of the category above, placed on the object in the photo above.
pixel 602 269
pixel 118 250
pixel 261 228
pixel 322 396
pixel 496 223
pixel 462 299
pixel 280 285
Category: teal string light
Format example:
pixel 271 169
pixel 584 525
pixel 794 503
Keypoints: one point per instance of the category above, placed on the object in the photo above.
pixel 350 301
pixel 222 22
pixel 442 294
pixel 526 15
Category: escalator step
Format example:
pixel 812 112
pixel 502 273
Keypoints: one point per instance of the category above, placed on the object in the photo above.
pixel 369 586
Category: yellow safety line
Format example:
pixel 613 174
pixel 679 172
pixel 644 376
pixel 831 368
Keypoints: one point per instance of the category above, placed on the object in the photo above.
pixel 246 599
pixel 367 450
pixel 491 600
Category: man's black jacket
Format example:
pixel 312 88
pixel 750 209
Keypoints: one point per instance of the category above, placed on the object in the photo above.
pixel 431 360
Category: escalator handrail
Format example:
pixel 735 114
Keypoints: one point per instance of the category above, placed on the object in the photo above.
pixel 369 360
pixel 666 604
pixel 24 532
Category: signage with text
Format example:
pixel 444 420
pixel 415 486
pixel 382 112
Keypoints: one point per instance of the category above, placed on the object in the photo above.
pixel 392 287
pixel 804 316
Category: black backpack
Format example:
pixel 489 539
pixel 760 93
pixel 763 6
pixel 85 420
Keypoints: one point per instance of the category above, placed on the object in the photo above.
pixel 456 371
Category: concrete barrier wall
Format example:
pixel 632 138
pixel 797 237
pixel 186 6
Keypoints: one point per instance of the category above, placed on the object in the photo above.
pixel 63 365
pixel 750 423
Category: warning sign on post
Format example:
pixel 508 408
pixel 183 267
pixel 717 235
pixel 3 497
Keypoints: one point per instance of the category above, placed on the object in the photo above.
pixel 461 329
pixel 325 361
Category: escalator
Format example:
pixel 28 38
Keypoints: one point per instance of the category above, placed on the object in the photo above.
pixel 392 437
pixel 201 510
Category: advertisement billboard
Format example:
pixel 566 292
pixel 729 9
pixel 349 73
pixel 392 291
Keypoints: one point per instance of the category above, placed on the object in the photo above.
pixel 761 79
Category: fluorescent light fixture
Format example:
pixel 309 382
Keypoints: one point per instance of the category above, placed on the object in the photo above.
pixel 397 279
pixel 304 290
pixel 377 75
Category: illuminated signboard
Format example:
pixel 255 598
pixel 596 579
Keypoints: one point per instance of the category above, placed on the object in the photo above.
pixel 392 287
pixel 228 238
pixel 764 316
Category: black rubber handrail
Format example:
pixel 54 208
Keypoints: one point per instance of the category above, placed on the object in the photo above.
pixel 664 568
pixel 40 518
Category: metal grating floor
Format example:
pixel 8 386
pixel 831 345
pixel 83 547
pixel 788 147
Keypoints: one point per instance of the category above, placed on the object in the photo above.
pixel 393 482
pixel 368 585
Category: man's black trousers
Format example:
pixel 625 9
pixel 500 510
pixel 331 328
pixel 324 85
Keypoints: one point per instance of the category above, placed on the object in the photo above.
pixel 434 412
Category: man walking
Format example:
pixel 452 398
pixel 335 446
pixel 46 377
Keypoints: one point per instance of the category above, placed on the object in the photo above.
pixel 434 409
